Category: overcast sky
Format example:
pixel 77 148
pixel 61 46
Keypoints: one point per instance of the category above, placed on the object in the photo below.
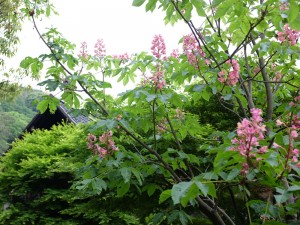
pixel 124 28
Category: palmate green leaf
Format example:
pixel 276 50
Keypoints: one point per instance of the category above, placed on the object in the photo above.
pixel 138 3
pixel 98 185
pixel 48 102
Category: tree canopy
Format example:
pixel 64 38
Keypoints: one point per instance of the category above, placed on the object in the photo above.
pixel 165 138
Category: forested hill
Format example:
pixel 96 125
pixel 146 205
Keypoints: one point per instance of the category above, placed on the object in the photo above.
pixel 15 115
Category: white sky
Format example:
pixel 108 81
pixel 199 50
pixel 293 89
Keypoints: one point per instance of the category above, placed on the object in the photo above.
pixel 124 28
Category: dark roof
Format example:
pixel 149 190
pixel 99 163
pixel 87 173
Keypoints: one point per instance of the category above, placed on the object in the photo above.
pixel 72 118
pixel 47 119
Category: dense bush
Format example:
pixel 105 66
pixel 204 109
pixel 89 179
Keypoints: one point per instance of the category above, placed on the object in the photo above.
pixel 36 178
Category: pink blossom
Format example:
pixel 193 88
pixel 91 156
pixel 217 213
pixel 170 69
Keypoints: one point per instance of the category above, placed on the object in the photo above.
pixel 278 76
pixel 99 49
pixel 294 159
pixel 279 122
pixel 256 70
pixel 123 57
pixel 262 150
pixel 91 138
pixel 284 6
pixel 106 145
pixel 83 53
pixel 175 53
pixel 207 61
pixel 179 114
pixel 245 169
pixel 250 132
pixel 275 145
pixel 192 49
pixel 288 35
pixel 158 46
pixel 294 134
pixel 296 152
pixel 232 75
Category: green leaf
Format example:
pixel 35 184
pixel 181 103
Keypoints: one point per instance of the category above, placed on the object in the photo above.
pixel 123 189
pixel 233 174
pixel 151 189
pixel 293 11
pixel 158 218
pixel 180 190
pixel 98 185
pixel 138 3
pixel 164 196
pixel 173 216
pixel 202 187
pixel 138 175
pixel 126 174
pixel 294 188
pixel 191 194
pixel 151 5
pixel 199 5
pixel 295 24
pixel 184 218
pixel 223 9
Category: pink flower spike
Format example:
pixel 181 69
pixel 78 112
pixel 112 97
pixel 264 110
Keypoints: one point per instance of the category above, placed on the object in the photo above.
pixel 99 49
pixel 158 46
pixel 83 50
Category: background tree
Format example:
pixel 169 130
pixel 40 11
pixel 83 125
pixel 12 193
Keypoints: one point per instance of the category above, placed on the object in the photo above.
pixel 15 115
pixel 11 18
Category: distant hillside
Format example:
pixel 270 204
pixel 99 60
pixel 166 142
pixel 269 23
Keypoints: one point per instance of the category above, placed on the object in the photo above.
pixel 15 115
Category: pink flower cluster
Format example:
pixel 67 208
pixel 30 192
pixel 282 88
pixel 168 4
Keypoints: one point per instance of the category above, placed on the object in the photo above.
pixel 83 51
pixel 231 77
pixel 192 50
pixel 249 133
pixel 179 114
pixel 175 53
pixel 99 49
pixel 105 140
pixel 288 35
pixel 158 78
pixel 162 126
pixel 158 47
pixel 295 157
pixel 123 57
pixel 296 101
